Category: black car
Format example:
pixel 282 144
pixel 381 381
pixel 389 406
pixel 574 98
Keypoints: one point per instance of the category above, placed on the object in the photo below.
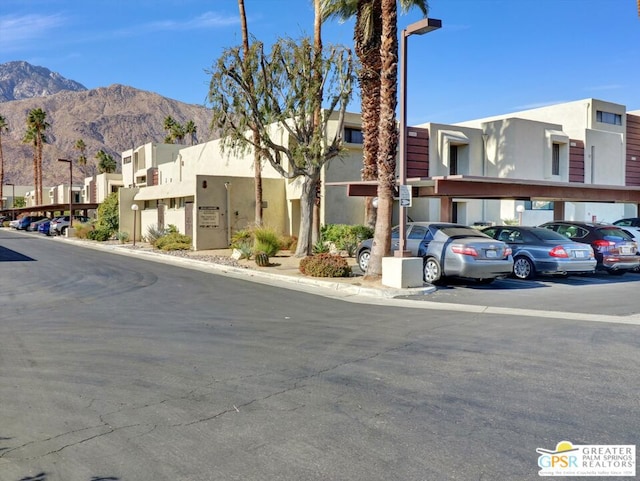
pixel 614 248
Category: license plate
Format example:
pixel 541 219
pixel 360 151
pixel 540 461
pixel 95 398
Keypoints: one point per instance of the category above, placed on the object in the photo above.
pixel 578 253
pixel 625 250
pixel 492 254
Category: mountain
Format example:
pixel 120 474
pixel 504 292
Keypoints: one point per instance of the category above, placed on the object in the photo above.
pixel 21 80
pixel 113 119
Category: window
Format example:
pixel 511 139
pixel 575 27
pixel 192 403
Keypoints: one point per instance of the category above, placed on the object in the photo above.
pixel 608 118
pixel 126 160
pixel 538 205
pixel 353 136
pixel 453 159
pixel 555 159
pixel 417 232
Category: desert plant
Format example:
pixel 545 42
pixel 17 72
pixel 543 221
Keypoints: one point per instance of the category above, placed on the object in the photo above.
pixel 262 259
pixel 123 237
pixel 266 240
pixel 288 242
pixel 325 265
pixel 153 234
pixel 510 221
pixel 246 251
pixel 174 241
pixel 82 229
pixel 321 246
pixel 346 237
pixel 240 237
pixel 100 234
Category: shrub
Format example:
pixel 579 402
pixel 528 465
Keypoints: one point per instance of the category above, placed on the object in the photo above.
pixel 174 241
pixel 288 242
pixel 100 234
pixel 123 237
pixel 325 265
pixel 241 238
pixel 266 240
pixel 83 230
pixel 153 234
pixel 108 218
pixel 346 237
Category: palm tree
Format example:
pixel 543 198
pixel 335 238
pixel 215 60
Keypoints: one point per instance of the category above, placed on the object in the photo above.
pixel 37 123
pixel 106 164
pixel 81 147
pixel 367 38
pixel 4 127
pixel 257 156
pixel 191 130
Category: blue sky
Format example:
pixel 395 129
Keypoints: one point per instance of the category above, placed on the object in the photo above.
pixel 490 57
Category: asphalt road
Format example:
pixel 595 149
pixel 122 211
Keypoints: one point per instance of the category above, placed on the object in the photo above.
pixel 114 368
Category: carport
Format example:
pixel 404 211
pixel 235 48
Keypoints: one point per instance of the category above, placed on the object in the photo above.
pixel 447 188
pixel 51 210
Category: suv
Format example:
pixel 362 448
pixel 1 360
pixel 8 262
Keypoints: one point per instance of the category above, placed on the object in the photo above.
pixel 60 225
pixel 26 221
pixel 615 250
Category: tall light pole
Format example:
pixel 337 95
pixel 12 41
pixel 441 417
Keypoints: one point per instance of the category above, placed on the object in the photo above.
pixel 70 194
pixel 134 208
pixel 13 200
pixel 421 27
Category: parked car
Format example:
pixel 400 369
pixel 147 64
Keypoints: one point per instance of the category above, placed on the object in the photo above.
pixel 60 225
pixel 33 227
pixel 628 222
pixel 450 250
pixel 615 250
pixel 538 251
pixel 43 227
pixel 3 219
pixel 26 221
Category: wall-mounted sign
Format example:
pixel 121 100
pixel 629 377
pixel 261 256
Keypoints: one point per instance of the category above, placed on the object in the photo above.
pixel 208 217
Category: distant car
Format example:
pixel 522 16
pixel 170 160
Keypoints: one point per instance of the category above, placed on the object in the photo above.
pixel 450 250
pixel 538 251
pixel 60 225
pixel 628 222
pixel 3 219
pixel 26 221
pixel 615 249
pixel 33 227
pixel 43 227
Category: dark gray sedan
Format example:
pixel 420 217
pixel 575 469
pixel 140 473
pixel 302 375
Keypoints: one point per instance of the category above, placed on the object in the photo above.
pixel 451 250
pixel 543 251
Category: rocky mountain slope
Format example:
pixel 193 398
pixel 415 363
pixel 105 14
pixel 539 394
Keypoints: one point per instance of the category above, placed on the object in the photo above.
pixel 113 119
pixel 21 80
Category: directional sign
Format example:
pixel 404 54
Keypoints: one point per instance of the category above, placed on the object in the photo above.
pixel 405 196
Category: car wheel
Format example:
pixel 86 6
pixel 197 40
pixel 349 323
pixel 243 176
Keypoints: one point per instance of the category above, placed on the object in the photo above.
pixel 523 268
pixel 617 272
pixel 63 231
pixel 432 271
pixel 363 259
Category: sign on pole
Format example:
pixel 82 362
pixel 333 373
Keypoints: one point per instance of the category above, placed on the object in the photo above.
pixel 405 196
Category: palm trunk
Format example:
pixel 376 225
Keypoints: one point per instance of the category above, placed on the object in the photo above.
pixel 1 173
pixel 317 46
pixel 257 158
pixel 387 138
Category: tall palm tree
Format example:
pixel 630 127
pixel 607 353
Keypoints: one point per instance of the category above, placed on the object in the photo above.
pixel 81 147
pixel 36 121
pixel 106 163
pixel 367 38
pixel 257 155
pixel 317 47
pixel 191 130
pixel 4 127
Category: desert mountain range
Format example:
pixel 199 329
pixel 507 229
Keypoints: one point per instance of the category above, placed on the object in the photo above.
pixel 114 119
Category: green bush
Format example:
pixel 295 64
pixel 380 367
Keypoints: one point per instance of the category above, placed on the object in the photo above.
pixel 122 236
pixel 82 230
pixel 100 234
pixel 108 218
pixel 345 237
pixel 325 265
pixel 174 241
pixel 241 237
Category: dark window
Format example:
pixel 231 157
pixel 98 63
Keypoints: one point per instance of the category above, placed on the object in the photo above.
pixel 417 232
pixel 352 136
pixel 538 205
pixel 555 159
pixel 608 118
pixel 453 160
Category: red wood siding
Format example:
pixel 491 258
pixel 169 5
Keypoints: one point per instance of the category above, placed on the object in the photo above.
pixel 417 152
pixel 576 161
pixel 633 151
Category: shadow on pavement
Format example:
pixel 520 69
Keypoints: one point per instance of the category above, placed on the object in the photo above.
pixel 8 255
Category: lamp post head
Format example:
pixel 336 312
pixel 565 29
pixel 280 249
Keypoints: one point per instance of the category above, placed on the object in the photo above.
pixel 423 26
pixel 134 207
pixel 520 209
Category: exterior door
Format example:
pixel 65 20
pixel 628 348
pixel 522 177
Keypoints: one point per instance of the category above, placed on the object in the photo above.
pixel 188 219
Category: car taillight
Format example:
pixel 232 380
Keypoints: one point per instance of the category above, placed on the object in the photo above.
pixel 603 243
pixel 558 251
pixel 465 250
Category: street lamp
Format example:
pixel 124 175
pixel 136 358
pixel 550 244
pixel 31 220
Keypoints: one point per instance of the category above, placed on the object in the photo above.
pixel 421 27
pixel 520 210
pixel 70 194
pixel 13 200
pixel 134 208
